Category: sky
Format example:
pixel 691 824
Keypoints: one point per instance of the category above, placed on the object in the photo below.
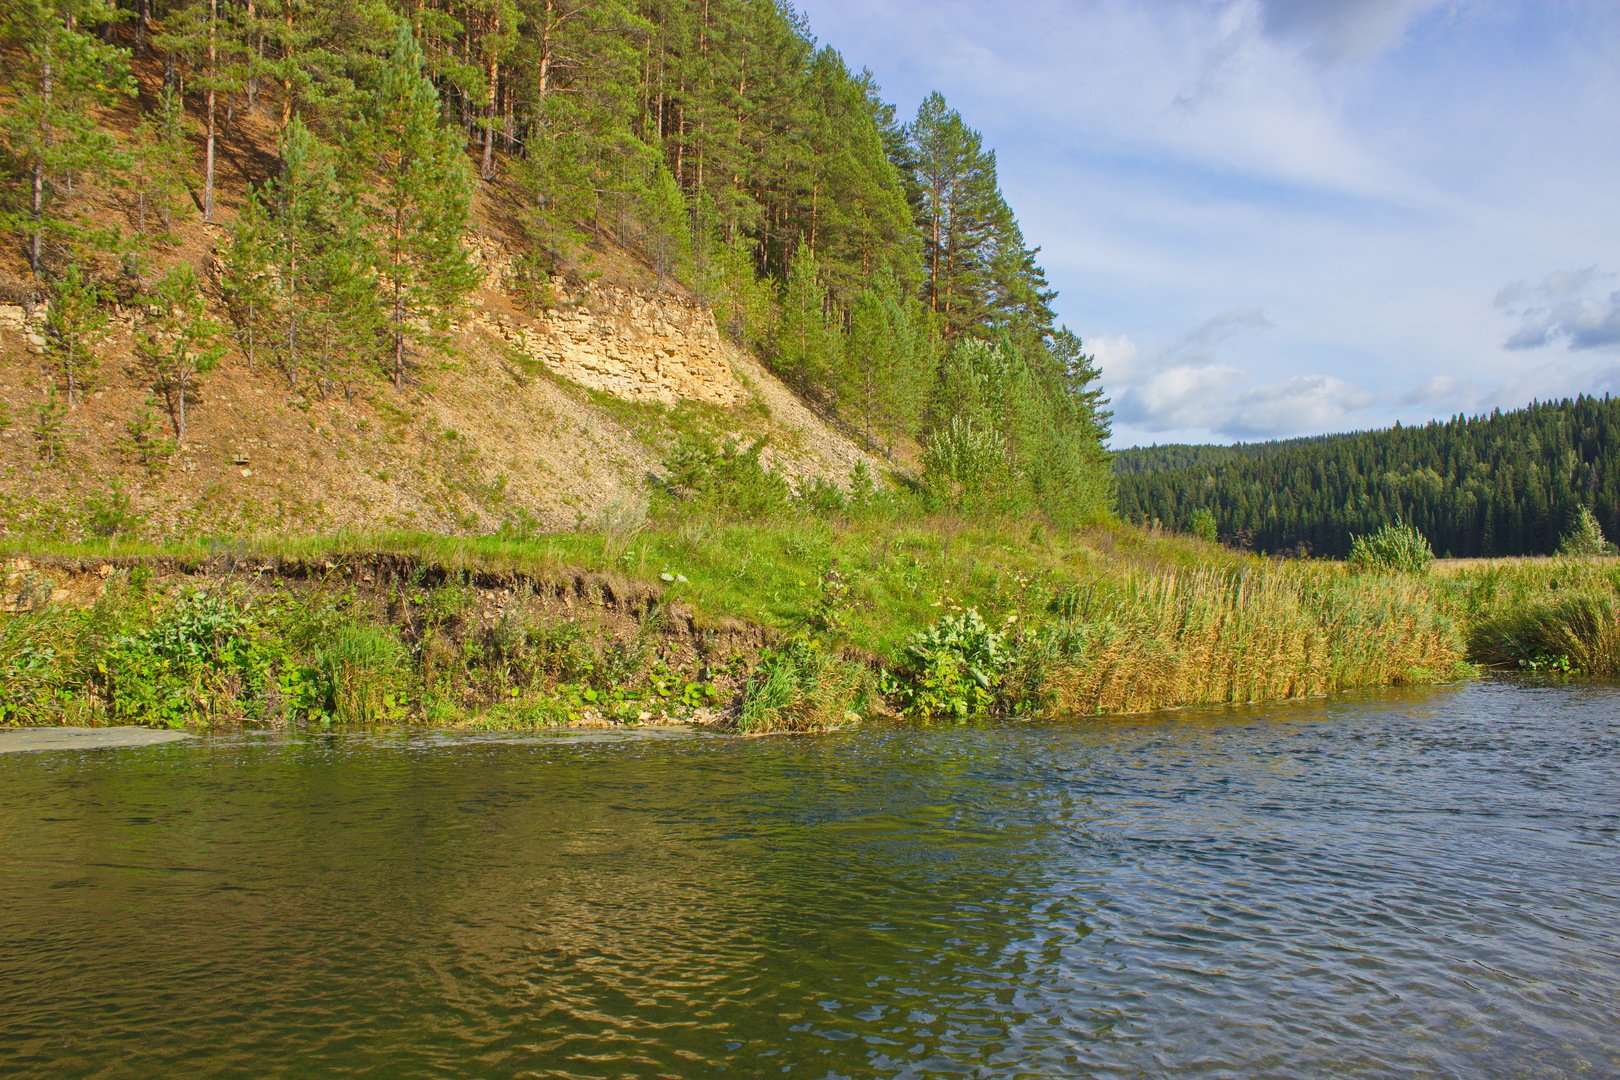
pixel 1270 218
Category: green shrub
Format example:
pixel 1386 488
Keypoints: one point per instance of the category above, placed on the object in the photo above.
pixel 965 466
pixel 954 668
pixel 725 475
pixel 1397 548
pixel 200 660
pixel 1585 537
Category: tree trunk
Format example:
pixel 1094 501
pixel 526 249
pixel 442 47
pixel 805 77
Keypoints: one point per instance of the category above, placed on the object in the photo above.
pixel 36 245
pixel 286 57
pixel 399 300
pixel 291 285
pixel 252 87
pixel 487 167
pixel 208 157
pixel 180 403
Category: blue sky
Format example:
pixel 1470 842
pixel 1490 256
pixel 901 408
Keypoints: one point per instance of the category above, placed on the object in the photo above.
pixel 1282 217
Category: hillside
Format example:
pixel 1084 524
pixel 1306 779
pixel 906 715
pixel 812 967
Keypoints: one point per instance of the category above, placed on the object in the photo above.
pixel 303 268
pixel 530 420
pixel 1509 483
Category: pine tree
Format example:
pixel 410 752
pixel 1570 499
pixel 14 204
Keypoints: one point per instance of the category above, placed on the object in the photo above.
pixel 50 433
pixel 141 443
pixel 161 163
pixel 211 53
pixel 497 23
pixel 887 362
pixel 805 346
pixel 57 70
pixel 1082 383
pixel 669 233
pixel 421 210
pixel 179 342
pixel 298 269
pixel 1585 536
pixel 740 300
pixel 74 325
pixel 584 166
pixel 959 210
pixel 247 277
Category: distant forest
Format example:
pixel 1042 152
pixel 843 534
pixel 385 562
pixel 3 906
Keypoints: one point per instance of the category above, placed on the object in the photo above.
pixel 1510 483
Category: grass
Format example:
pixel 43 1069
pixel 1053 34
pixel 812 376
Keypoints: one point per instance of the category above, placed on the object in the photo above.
pixel 1106 619
pixel 1549 614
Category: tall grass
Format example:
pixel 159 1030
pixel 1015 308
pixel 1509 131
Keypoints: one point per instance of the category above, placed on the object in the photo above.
pixel 1548 614
pixel 1251 633
pixel 363 675
pixel 798 687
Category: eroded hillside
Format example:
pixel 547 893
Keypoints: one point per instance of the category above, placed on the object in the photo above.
pixel 544 415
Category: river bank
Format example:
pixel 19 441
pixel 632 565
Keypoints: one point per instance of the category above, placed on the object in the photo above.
pixel 801 624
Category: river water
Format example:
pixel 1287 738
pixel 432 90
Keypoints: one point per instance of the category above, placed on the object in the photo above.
pixel 1423 882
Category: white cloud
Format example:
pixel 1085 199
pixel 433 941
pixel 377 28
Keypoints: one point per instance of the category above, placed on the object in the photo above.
pixel 1116 356
pixel 1302 403
pixel 1438 389
pixel 1183 396
pixel 1567 306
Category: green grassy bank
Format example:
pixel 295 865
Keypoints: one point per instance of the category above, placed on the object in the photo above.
pixel 792 622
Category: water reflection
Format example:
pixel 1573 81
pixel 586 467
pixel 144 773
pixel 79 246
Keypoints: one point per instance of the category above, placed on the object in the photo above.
pixel 1409 882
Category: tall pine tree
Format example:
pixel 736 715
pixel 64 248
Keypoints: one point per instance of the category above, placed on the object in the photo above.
pixel 421 208
pixel 58 70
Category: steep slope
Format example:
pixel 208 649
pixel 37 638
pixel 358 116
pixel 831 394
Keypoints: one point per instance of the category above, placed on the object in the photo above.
pixel 537 418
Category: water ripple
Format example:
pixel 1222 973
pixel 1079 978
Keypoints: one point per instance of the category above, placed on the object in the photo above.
pixel 1408 883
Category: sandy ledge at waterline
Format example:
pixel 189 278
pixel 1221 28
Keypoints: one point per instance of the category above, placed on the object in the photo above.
pixel 16 740
pixel 83 738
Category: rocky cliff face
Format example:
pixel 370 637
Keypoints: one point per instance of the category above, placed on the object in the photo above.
pixel 657 348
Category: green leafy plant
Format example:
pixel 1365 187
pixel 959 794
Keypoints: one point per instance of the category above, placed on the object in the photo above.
pixel 195 662
pixel 1397 548
pixel 954 668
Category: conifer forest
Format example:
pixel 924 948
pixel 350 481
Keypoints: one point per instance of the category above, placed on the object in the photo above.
pixel 336 151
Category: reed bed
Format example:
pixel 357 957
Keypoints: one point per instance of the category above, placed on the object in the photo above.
pixel 1252 633
pixel 1555 614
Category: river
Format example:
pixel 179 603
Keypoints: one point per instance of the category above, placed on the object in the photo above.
pixel 1412 882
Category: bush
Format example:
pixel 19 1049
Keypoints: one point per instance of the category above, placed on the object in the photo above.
pixel 965 467
pixel 1585 537
pixel 199 660
pixel 1397 548
pixel 725 476
pixel 954 668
